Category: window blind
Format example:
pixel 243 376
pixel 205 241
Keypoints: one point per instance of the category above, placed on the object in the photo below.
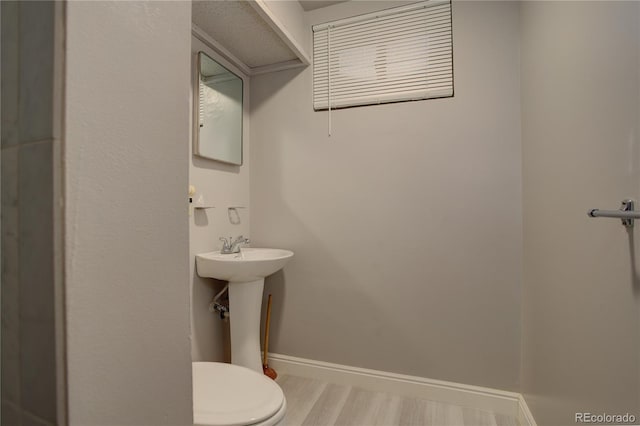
pixel 398 54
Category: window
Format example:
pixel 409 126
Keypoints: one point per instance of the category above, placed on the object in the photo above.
pixel 398 54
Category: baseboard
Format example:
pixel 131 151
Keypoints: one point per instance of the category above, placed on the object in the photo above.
pixel 498 401
pixel 524 414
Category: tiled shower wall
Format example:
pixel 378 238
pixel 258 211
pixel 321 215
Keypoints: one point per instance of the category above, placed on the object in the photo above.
pixel 30 186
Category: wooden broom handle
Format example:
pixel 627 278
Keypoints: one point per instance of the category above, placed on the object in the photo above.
pixel 266 332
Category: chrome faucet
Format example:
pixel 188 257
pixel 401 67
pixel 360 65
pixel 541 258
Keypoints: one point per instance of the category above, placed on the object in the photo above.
pixel 229 247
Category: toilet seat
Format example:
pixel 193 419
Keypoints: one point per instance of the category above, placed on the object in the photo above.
pixel 231 395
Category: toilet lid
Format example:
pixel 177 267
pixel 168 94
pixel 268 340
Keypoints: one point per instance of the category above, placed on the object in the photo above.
pixel 226 394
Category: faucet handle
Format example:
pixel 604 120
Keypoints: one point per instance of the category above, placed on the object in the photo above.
pixel 241 240
pixel 226 244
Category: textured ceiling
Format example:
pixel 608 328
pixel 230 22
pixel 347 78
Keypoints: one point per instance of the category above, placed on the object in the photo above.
pixel 236 26
pixel 317 4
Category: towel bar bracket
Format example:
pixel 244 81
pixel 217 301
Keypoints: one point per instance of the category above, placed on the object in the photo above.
pixel 626 213
pixel 627 206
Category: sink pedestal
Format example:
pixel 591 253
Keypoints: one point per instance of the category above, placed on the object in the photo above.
pixel 245 307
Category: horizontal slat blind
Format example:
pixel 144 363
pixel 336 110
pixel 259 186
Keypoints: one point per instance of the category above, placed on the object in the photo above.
pixel 394 55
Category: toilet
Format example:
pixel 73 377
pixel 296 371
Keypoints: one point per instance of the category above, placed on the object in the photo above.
pixel 231 395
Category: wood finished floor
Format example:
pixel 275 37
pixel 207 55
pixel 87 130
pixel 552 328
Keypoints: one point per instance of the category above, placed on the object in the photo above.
pixel 316 403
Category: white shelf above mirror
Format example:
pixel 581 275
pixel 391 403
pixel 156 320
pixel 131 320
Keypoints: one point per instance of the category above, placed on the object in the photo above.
pixel 252 35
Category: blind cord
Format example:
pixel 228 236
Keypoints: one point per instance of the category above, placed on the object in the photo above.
pixel 329 75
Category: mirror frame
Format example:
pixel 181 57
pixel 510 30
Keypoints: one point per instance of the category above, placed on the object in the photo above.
pixel 196 109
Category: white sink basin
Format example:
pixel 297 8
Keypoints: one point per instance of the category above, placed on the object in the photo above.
pixel 249 265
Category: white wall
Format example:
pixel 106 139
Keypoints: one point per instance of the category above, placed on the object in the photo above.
pixel 406 223
pixel 222 186
pixel 580 115
pixel 127 294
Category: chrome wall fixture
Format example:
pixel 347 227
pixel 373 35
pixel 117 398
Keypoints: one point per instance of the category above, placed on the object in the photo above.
pixel 626 213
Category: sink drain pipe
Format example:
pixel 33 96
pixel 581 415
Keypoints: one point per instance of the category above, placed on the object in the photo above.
pixel 215 306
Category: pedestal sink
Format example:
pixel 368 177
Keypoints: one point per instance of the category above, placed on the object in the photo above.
pixel 245 272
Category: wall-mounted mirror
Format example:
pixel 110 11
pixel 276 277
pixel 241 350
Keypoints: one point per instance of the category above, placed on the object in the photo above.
pixel 219 128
